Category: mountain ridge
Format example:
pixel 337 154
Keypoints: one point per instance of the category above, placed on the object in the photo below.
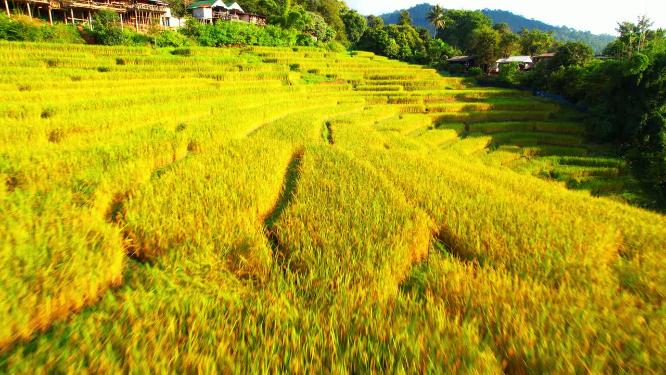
pixel 516 22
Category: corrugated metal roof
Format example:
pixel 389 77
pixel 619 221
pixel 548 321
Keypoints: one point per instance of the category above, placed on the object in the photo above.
pixel 460 58
pixel 516 59
pixel 545 55
pixel 202 4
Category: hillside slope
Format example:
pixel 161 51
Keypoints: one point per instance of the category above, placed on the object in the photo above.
pixel 244 210
pixel 516 22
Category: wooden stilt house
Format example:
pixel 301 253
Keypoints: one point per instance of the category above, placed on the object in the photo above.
pixel 138 14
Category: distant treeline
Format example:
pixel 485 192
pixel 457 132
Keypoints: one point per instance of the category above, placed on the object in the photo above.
pixel 419 15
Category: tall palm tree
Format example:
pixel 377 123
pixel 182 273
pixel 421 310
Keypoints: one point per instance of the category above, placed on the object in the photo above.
pixel 437 17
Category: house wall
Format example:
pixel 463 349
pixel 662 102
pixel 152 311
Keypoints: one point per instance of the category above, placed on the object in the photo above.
pixel 175 22
pixel 203 13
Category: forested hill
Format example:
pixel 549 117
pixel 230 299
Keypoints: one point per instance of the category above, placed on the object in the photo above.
pixel 561 33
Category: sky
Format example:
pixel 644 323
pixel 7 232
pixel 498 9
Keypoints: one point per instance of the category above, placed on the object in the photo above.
pixel 597 16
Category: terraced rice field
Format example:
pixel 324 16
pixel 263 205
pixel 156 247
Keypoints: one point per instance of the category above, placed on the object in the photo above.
pixel 264 209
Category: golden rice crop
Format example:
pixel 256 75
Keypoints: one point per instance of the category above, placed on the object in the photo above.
pixel 293 209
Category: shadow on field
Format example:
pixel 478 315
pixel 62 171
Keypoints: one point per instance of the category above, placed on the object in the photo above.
pixel 286 196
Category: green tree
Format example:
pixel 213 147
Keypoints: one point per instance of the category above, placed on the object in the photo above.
pixel 294 17
pixel 375 22
pixel 437 17
pixel 401 42
pixel 405 19
pixel 439 52
pixel 485 46
pixel 331 11
pixel 107 29
pixel 424 34
pixel 502 28
pixel 375 39
pixel 509 43
pixel 408 40
pixel 355 25
pixel 571 54
pixel 535 42
pixel 318 28
pixel 508 73
pixel 178 8
pixel 263 7
pixel 459 28
pixel 635 38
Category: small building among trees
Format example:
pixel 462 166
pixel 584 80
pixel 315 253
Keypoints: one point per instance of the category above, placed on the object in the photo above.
pixel 543 57
pixel 523 62
pixel 464 62
pixel 210 11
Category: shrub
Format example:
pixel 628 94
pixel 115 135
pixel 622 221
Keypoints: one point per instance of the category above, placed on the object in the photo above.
pixel 509 73
pixel 475 72
pixel 239 34
pixel 131 38
pixel 107 31
pixel 336 47
pixel 182 52
pixel 306 40
pixel 170 38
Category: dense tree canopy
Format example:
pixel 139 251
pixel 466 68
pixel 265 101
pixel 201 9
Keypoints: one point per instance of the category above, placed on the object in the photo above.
pixel 331 11
pixel 405 19
pixel 635 38
pixel 485 45
pixel 395 41
pixel 535 42
pixel 459 28
pixel 355 25
pixel 571 54
pixel 509 43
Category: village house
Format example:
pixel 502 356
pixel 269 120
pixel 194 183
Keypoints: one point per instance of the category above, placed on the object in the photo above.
pixel 543 57
pixel 524 63
pixel 210 11
pixel 465 62
pixel 138 14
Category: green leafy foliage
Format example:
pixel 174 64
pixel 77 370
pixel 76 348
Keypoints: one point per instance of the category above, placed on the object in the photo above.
pixel 107 28
pixel 168 38
pixel 485 45
pixel 509 43
pixel 534 42
pixel 439 52
pixel 460 26
pixel 508 73
pixel 318 28
pixel 400 42
pixel 238 34
pixel 355 25
pixel 571 54
pixel 330 10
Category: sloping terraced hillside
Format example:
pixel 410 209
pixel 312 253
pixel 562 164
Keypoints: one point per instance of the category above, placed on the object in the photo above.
pixel 262 209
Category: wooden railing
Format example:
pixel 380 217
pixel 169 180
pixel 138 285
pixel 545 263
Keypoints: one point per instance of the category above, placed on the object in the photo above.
pixel 92 4
pixel 144 6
